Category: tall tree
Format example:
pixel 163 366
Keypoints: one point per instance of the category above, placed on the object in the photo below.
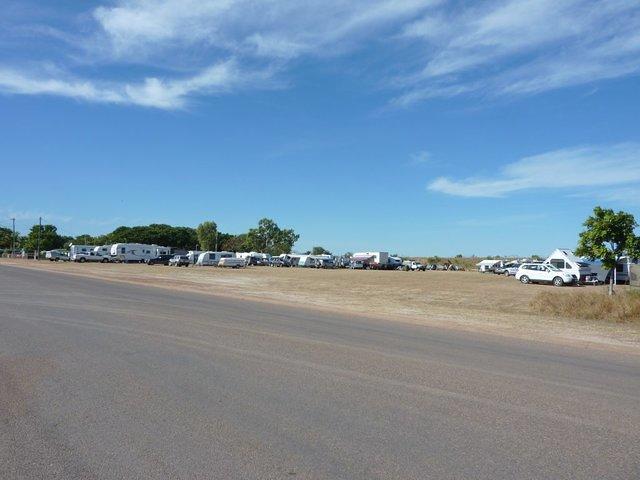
pixel 608 236
pixel 320 251
pixel 49 238
pixel 207 235
pixel 269 238
pixel 5 237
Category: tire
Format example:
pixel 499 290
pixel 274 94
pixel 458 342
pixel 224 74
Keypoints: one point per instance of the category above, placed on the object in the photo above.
pixel 104 260
pixel 558 282
pixel 524 279
pixel 82 260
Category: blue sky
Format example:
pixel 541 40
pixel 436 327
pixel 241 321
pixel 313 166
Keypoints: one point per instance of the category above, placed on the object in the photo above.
pixel 416 126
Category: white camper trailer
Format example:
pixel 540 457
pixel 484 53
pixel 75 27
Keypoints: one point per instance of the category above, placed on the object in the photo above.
pixel 79 249
pixel 232 262
pixel 193 255
pixel 621 274
pixel 485 266
pixel 212 258
pixel 136 252
pixel 565 260
pixel 103 250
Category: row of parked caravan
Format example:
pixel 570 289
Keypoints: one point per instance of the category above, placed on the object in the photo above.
pixel 160 255
pixel 560 268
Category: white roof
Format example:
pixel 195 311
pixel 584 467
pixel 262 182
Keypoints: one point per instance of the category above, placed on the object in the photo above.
pixel 487 262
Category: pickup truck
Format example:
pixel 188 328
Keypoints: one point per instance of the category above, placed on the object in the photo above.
pixel 413 266
pixel 90 257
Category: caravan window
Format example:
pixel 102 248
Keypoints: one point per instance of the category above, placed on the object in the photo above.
pixel 123 250
pixel 557 262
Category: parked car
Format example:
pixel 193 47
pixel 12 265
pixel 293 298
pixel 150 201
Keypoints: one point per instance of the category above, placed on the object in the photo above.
pixel 160 259
pixel 180 261
pixel 508 270
pixel 57 255
pixel 90 257
pixel 543 273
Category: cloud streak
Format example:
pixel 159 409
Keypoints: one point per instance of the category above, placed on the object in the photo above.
pixel 436 48
pixel 568 169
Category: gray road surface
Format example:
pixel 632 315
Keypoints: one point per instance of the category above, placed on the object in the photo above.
pixel 103 380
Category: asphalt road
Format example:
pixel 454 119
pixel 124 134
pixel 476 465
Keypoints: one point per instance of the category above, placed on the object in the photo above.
pixel 114 381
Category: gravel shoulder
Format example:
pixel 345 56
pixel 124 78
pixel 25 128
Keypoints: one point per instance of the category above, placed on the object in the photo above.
pixel 460 300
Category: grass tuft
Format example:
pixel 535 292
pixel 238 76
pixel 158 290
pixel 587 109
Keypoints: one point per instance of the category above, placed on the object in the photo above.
pixel 623 307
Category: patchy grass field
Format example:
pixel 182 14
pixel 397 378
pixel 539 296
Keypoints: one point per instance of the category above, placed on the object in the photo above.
pixel 468 300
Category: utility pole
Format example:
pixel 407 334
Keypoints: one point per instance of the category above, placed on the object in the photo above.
pixel 13 239
pixel 38 245
pixel 216 240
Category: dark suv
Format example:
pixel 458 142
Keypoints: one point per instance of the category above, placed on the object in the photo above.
pixel 179 261
pixel 160 260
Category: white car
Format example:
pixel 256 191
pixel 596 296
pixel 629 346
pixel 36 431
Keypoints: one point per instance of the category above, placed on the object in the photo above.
pixel 90 257
pixel 544 273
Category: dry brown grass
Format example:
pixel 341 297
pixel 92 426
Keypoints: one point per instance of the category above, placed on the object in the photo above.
pixel 464 300
pixel 623 307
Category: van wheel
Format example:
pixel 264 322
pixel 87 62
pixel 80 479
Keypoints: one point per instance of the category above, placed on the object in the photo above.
pixel 558 282
pixel 82 260
pixel 524 279
pixel 104 260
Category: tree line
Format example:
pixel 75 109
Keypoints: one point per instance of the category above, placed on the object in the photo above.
pixel 266 237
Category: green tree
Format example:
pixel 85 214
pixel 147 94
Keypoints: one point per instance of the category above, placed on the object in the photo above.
pixel 233 243
pixel 319 251
pixel 5 237
pixel 49 238
pixel 609 235
pixel 269 238
pixel 207 233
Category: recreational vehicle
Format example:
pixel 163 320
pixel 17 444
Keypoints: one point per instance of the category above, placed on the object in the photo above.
pixel 621 273
pixel 488 265
pixel 374 259
pixel 104 250
pixel 76 249
pixel 231 262
pixel 565 260
pixel 136 252
pixel 212 258
pixel 192 255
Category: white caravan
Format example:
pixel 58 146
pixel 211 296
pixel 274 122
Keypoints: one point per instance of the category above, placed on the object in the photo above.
pixel 232 262
pixel 378 258
pixel 621 274
pixel 565 260
pixel 82 249
pixel 136 252
pixel 104 250
pixel 193 255
pixel 488 265
pixel 212 258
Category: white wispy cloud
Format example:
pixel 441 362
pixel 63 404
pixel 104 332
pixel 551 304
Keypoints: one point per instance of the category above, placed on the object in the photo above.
pixel 151 92
pixel 519 47
pixel 440 48
pixel 568 169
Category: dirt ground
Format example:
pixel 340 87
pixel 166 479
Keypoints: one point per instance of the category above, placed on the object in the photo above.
pixel 463 300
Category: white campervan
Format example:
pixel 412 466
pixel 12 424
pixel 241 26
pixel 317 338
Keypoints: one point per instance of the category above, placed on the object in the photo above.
pixel 565 260
pixel 212 258
pixel 136 252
